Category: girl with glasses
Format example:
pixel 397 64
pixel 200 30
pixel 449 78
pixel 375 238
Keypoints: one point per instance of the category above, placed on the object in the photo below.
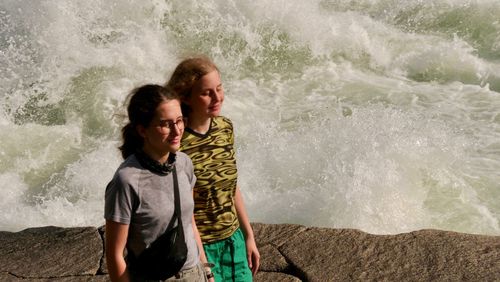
pixel 139 200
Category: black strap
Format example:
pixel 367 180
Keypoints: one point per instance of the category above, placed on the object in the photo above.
pixel 231 247
pixel 177 200
pixel 177 204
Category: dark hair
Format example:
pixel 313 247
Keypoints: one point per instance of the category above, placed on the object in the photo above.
pixel 141 109
pixel 186 74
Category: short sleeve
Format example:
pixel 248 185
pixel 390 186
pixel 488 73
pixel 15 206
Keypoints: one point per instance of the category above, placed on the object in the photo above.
pixel 190 173
pixel 118 201
pixel 231 129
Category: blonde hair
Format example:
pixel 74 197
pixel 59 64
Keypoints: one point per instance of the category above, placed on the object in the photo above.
pixel 186 74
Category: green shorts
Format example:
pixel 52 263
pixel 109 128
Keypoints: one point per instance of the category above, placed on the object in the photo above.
pixel 230 258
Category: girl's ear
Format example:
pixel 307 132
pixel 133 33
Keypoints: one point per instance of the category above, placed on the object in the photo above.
pixel 141 130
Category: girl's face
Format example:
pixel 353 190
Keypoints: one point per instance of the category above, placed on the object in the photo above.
pixel 163 135
pixel 207 96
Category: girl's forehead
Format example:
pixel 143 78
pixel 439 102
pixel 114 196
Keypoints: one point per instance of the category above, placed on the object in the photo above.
pixel 209 79
pixel 168 107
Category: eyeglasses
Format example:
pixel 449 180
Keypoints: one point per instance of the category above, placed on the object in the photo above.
pixel 168 125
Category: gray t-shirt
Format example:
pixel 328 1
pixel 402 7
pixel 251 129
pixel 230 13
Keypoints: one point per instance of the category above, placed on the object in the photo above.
pixel 145 201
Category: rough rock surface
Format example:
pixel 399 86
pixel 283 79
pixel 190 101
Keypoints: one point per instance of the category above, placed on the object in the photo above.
pixel 50 252
pixel 288 253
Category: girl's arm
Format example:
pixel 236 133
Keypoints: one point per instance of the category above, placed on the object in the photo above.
pixel 203 257
pixel 253 255
pixel 116 239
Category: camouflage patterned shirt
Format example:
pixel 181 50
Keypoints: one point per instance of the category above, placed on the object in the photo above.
pixel 214 163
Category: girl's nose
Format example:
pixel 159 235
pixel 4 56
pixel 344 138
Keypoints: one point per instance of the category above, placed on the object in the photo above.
pixel 175 129
pixel 217 96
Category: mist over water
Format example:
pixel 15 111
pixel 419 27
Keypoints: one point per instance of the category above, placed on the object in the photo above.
pixel 377 115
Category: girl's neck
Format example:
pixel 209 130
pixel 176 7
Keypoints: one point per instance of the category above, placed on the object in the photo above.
pixel 200 125
pixel 161 158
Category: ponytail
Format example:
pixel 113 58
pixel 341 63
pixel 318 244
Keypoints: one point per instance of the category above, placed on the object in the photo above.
pixel 131 141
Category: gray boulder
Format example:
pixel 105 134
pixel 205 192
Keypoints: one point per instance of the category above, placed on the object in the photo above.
pixel 50 253
pixel 322 254
pixel 289 253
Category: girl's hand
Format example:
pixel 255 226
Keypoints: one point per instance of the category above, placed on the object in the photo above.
pixel 253 255
pixel 209 273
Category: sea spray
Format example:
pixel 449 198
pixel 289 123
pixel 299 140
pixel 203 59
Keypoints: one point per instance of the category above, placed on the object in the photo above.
pixel 377 115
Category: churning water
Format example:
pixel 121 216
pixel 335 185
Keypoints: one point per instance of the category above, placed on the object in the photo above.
pixel 382 115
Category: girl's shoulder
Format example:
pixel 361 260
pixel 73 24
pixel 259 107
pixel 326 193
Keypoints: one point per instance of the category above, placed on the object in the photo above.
pixel 222 120
pixel 182 159
pixel 129 170
pixel 183 163
pixel 126 177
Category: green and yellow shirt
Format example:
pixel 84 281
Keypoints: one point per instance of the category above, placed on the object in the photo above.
pixel 214 163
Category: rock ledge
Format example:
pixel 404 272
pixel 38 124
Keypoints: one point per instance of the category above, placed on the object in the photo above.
pixel 288 253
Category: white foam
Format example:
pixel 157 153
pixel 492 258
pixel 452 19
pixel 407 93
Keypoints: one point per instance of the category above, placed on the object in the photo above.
pixel 344 116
